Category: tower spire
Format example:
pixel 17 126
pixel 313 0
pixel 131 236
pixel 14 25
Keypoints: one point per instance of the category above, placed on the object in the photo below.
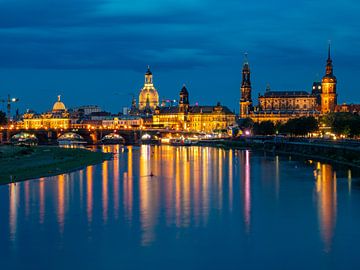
pixel 329 52
pixel 246 61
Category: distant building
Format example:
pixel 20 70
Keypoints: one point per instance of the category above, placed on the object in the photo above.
pixel 88 109
pixel 349 108
pixel 58 117
pixel 280 106
pixel 193 118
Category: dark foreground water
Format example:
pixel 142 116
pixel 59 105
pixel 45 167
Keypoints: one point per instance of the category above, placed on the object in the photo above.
pixel 205 208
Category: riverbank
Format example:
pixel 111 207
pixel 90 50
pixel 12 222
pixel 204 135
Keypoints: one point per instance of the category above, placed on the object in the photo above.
pixel 22 163
pixel 331 153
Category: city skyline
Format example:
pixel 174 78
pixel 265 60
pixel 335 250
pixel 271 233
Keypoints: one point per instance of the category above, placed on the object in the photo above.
pixel 96 52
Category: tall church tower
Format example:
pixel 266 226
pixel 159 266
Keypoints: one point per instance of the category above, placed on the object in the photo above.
pixel 184 100
pixel 245 100
pixel 328 85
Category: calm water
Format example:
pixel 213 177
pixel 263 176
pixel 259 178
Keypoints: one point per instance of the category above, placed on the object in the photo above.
pixel 204 209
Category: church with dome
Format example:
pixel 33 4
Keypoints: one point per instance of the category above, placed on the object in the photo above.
pixel 58 117
pixel 148 97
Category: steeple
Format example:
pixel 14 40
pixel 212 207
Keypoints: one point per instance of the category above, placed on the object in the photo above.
pixel 245 100
pixel 184 99
pixel 329 66
pixel 246 82
pixel 328 87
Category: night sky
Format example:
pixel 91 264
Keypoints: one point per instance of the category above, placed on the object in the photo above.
pixel 96 51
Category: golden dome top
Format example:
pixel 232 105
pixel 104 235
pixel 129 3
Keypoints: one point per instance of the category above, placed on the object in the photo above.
pixel 59 106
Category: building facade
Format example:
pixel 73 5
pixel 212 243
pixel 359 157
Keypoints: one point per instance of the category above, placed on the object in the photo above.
pixel 193 118
pixel 57 118
pixel 280 106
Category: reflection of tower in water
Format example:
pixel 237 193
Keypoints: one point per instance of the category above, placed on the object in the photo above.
pixel 246 187
pixel 327 202
pixel 13 210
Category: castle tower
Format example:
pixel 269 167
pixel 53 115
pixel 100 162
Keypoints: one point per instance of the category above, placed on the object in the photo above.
pixel 245 101
pixel 328 85
pixel 148 93
pixel 184 100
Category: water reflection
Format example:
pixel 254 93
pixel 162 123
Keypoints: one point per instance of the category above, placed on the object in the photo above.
pixel 61 202
pixel 327 202
pixel 193 188
pixel 13 213
pixel 246 192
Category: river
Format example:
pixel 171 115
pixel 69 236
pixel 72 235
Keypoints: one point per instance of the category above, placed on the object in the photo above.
pixel 203 208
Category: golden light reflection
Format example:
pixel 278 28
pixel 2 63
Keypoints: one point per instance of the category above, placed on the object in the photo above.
pixel 89 193
pixel 186 203
pixel 327 202
pixel 105 199
pixel 128 186
pixel 61 203
pixel 205 184
pixel 147 215
pixel 116 172
pixel 149 196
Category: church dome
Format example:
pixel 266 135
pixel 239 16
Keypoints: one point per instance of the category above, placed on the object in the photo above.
pixel 148 96
pixel 59 106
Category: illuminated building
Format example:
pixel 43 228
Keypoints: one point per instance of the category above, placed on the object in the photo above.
pixel 245 101
pixel 349 108
pixel 280 106
pixel 193 118
pixel 57 118
pixel 148 97
pixel 328 93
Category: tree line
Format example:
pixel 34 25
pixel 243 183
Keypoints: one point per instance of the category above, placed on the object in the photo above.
pixel 347 124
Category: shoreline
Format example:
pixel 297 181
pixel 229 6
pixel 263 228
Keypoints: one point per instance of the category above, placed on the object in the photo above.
pixel 260 146
pixel 27 163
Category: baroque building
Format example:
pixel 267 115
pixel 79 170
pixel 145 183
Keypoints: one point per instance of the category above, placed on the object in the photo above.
pixel 148 97
pixel 280 106
pixel 193 118
pixel 58 117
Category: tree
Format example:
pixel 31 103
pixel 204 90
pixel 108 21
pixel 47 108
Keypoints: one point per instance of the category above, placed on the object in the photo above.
pixel 3 119
pixel 301 126
pixel 264 128
pixel 344 123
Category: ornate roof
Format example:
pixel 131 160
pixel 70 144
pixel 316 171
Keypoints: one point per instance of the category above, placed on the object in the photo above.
pixel 59 106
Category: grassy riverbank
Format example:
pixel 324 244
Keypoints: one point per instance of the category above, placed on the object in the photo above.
pixel 34 162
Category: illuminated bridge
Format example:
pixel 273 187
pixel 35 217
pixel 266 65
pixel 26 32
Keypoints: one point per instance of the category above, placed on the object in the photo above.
pixel 91 135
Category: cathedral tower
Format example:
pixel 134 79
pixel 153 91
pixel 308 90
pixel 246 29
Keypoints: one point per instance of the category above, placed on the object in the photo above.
pixel 184 100
pixel 328 85
pixel 245 101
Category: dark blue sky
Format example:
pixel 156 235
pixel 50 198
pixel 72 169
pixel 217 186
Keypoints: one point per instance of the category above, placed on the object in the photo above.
pixel 96 51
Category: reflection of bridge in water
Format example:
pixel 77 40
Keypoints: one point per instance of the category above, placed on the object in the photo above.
pixel 91 135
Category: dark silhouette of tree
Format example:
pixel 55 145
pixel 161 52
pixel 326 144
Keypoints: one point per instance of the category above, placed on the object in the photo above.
pixel 3 119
